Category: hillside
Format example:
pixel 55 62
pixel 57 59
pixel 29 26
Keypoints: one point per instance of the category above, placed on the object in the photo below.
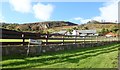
pixel 54 26
pixel 98 26
pixel 37 26
pixel 109 26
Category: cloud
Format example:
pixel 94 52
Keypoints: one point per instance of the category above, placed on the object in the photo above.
pixel 43 12
pixel 78 18
pixel 108 12
pixel 40 11
pixel 82 20
pixel 23 6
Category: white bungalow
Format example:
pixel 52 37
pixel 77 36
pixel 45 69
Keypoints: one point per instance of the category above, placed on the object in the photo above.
pixel 85 32
pixel 80 32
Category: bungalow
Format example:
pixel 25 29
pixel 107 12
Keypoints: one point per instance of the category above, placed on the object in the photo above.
pixel 110 34
pixel 85 32
pixel 62 33
pixel 80 32
pixel 88 32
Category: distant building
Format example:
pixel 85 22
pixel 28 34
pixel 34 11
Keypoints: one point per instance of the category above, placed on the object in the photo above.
pixel 110 34
pixel 75 32
pixel 87 32
pixel 80 32
pixel 60 32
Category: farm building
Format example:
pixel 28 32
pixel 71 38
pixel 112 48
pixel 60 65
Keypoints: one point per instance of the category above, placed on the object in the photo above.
pixel 87 32
pixel 110 34
pixel 80 32
pixel 60 32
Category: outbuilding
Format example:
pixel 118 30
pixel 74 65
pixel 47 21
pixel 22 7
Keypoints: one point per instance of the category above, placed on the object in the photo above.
pixel 110 34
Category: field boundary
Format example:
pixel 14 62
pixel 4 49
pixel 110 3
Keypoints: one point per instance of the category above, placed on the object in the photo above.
pixel 48 39
pixel 37 50
pixel 51 43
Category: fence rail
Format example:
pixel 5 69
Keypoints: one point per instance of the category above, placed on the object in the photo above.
pixel 50 38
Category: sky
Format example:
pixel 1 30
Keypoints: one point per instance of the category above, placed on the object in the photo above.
pixel 27 11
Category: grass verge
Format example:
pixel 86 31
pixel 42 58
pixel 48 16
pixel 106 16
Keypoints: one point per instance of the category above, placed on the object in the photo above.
pixel 95 57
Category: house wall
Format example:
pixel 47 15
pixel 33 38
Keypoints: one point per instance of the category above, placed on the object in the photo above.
pixel 74 32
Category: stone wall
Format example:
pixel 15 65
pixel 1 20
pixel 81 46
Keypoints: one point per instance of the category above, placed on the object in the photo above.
pixel 37 50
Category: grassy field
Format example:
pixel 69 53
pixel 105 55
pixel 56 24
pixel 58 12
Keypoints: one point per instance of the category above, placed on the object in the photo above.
pixel 95 57
pixel 27 40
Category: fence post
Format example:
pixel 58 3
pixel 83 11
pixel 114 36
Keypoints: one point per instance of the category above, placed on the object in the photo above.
pixel 75 38
pixel 104 40
pixel 47 38
pixel 28 49
pixel 109 39
pixel 91 40
pixel 84 41
pixel 96 39
pixel 113 39
pixel 63 39
pixel 23 37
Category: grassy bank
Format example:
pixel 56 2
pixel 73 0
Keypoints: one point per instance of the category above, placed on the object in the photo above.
pixel 95 57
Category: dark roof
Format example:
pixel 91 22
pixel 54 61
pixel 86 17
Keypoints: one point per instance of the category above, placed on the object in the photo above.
pixel 61 32
pixel 87 31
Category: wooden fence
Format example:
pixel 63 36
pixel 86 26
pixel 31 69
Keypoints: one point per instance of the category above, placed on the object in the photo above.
pixel 51 38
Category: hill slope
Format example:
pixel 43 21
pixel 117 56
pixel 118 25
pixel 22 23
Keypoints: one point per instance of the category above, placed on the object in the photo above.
pixel 99 26
pixel 37 26
pixel 54 26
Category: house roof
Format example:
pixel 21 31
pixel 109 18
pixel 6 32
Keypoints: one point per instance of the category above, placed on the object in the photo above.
pixel 61 32
pixel 87 31
pixel 79 31
pixel 110 33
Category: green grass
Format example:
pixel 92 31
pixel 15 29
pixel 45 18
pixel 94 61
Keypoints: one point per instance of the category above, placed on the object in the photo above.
pixel 27 40
pixel 95 57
